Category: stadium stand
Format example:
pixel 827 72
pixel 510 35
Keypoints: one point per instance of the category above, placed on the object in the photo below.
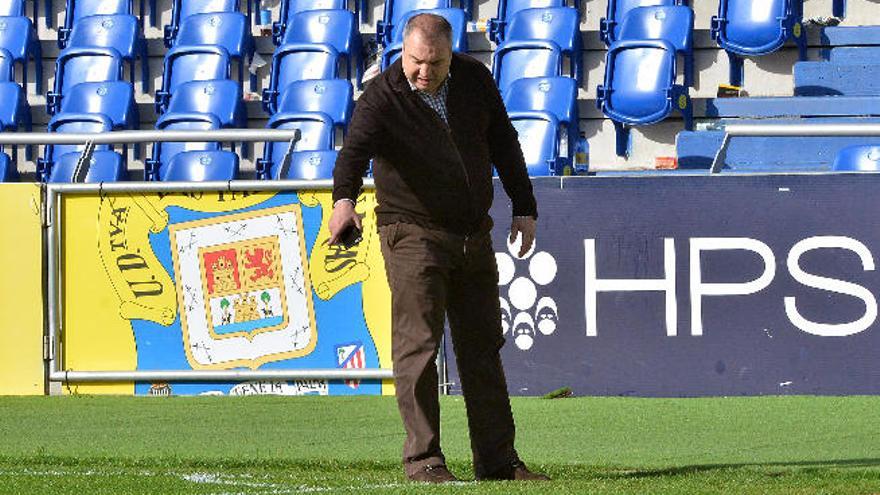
pixel 837 84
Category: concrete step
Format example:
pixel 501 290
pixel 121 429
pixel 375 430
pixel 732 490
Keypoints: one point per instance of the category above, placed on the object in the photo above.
pixel 794 106
pixel 850 36
pixel 827 78
pixel 853 54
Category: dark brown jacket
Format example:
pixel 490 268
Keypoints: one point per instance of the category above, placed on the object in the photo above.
pixel 426 172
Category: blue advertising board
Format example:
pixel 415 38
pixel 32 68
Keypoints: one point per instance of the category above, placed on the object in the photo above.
pixel 682 286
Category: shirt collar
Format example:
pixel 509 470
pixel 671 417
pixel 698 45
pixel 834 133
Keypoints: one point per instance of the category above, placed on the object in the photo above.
pixel 439 90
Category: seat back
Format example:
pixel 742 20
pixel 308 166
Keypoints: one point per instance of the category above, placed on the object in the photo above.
pixel 333 97
pixel 674 24
pixel 307 165
pixel 230 30
pixel 558 24
pixel 7 66
pixel 194 63
pixel 300 62
pixel 118 31
pixel 114 99
pixel 219 97
pixel 863 158
pixel 290 8
pixel 79 64
pixel 181 9
pixel 337 28
pixel 12 105
pixel 104 166
pixel 164 151
pixel 539 139
pixel 8 170
pixel 16 36
pixel 555 95
pixel 79 9
pixel 638 76
pixel 316 135
pixel 200 166
pixel 617 10
pixel 12 8
pixel 753 27
pixel 395 10
pixel 517 59
pixel 75 123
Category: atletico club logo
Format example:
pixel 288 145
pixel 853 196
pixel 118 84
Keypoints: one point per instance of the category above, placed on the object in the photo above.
pixel 351 356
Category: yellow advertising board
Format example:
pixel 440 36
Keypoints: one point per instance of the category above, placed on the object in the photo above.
pixel 220 281
pixel 21 303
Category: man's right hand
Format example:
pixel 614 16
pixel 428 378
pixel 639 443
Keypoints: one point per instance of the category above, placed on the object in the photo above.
pixel 343 217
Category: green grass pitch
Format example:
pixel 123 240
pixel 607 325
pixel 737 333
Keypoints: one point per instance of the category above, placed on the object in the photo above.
pixel 87 445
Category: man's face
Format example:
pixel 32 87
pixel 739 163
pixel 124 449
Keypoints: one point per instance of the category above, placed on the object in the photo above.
pixel 426 61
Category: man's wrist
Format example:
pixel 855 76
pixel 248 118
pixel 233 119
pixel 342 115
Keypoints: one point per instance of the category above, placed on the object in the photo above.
pixel 335 204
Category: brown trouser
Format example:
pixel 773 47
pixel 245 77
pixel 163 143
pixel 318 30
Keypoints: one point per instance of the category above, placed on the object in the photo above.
pixel 432 273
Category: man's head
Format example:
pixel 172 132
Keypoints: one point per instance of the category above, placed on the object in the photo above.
pixel 427 51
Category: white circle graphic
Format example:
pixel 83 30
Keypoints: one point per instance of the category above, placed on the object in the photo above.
pixel 542 268
pixel 522 293
pixel 506 268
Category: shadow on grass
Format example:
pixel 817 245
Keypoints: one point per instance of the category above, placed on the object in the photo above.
pixel 701 468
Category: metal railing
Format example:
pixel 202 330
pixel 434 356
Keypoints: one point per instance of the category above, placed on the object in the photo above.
pixel 52 225
pixel 783 130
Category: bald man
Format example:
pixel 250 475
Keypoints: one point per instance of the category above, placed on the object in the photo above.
pixel 434 123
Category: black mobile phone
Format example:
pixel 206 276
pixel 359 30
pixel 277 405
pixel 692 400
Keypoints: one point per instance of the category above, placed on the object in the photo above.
pixel 350 237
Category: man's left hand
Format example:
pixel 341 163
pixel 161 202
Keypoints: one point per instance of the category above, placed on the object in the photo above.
pixel 525 226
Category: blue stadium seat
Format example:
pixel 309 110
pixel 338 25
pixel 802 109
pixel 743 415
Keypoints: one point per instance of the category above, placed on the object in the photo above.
pixel 191 63
pixel 757 27
pixel 317 135
pixel 231 30
pixel 113 99
pixel 221 98
pixel 79 9
pixel 508 8
pixel 156 167
pixel 290 8
pixel 14 111
pixel 12 8
pixel 7 66
pixel 19 39
pixel 336 28
pixel 674 24
pixel 862 158
pixel 555 95
pixel 306 165
pixel 104 166
pixel 299 62
pixel 396 11
pixel 71 123
pixel 118 31
pixel 530 58
pixel 557 24
pixel 456 18
pixel 181 9
pixel 640 87
pixel 201 166
pixel 617 10
pixel 332 97
pixel 8 170
pixel 76 65
pixel 539 139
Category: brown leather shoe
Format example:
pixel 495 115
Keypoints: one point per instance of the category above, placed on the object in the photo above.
pixel 516 471
pixel 433 474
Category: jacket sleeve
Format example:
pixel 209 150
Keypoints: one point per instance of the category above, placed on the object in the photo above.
pixel 361 143
pixel 506 154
